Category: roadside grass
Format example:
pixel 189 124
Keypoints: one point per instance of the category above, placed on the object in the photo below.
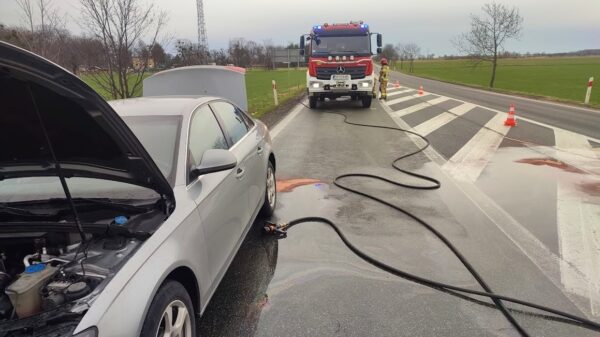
pixel 290 83
pixel 555 78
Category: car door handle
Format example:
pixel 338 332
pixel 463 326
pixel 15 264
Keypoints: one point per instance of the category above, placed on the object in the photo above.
pixel 260 149
pixel 240 173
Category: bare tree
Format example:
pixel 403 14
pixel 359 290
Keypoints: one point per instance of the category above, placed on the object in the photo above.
pixel 120 25
pixel 401 54
pixel 489 33
pixel 390 52
pixel 240 52
pixel 44 33
pixel 411 52
pixel 189 53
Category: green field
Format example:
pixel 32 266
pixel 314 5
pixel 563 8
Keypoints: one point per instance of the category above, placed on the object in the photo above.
pixel 89 81
pixel 290 83
pixel 558 78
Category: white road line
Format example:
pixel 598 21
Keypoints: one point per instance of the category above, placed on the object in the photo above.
pixel 397 92
pixel 420 106
pixel 437 122
pixel 579 242
pixel 286 120
pixel 468 163
pixel 577 219
pixel 401 99
pixel 394 88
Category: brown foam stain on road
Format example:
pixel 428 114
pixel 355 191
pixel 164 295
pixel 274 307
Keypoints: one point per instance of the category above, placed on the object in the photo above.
pixel 552 163
pixel 288 185
pixel 591 188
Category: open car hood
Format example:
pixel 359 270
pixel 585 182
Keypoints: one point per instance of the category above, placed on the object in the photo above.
pixel 88 137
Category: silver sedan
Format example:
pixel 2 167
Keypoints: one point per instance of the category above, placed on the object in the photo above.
pixel 120 219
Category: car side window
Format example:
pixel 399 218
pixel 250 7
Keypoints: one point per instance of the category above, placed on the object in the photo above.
pixel 233 120
pixel 248 120
pixel 205 134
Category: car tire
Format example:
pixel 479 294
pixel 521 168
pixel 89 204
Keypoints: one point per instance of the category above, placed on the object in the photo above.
pixel 312 102
pixel 171 297
pixel 270 202
pixel 366 101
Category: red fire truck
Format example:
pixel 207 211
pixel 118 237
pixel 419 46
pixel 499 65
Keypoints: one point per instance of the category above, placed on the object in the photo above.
pixel 339 62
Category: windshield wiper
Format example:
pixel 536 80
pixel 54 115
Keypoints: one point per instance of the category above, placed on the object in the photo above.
pixel 24 212
pixel 114 204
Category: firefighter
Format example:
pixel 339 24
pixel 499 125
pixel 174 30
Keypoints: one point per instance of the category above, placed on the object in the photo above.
pixel 383 78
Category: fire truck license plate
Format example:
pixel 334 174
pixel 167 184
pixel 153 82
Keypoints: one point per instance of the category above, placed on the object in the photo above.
pixel 340 77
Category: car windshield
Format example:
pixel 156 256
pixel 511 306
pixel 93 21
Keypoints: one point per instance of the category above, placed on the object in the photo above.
pixel 160 136
pixel 332 45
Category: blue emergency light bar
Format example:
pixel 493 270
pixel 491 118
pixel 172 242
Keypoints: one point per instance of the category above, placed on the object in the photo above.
pixel 321 28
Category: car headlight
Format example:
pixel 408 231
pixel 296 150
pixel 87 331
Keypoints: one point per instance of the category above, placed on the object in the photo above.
pixel 91 332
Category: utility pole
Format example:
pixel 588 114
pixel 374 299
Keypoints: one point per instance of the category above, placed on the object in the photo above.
pixel 202 38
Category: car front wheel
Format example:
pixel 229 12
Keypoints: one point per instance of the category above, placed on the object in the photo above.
pixel 171 313
pixel 270 193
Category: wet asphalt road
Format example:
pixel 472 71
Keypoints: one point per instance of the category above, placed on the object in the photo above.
pixel 310 285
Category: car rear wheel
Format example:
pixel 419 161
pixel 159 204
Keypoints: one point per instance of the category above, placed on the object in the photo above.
pixel 270 193
pixel 312 102
pixel 171 313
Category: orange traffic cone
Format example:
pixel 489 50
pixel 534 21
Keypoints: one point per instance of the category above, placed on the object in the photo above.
pixel 397 84
pixel 421 90
pixel 511 119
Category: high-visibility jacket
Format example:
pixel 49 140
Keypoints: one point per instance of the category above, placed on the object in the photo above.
pixel 383 73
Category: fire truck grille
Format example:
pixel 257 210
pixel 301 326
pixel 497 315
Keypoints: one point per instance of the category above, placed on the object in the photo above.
pixel 356 73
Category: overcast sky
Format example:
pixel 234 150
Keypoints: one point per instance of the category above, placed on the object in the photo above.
pixel 550 26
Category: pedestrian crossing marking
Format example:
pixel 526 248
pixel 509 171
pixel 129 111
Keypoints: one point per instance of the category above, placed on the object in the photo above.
pixel 420 106
pixel 401 99
pixel 437 122
pixel 468 162
pixel 577 220
pixel 397 92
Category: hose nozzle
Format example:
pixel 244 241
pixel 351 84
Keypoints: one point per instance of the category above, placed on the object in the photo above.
pixel 274 229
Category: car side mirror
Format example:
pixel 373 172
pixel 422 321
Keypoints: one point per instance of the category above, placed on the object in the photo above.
pixel 379 50
pixel 379 40
pixel 302 42
pixel 214 160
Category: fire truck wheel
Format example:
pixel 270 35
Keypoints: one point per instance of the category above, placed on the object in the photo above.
pixel 366 102
pixel 312 102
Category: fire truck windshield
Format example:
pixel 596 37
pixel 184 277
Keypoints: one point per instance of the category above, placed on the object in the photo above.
pixel 332 45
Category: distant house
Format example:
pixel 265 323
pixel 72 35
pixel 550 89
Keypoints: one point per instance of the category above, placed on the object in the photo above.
pixel 138 63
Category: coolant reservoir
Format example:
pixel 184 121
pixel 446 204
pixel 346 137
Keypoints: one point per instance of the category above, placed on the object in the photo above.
pixel 25 293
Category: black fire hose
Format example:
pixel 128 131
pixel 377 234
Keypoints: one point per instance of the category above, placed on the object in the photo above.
pixel 281 231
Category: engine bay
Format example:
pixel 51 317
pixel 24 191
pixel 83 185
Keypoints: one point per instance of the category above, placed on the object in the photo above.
pixel 46 272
